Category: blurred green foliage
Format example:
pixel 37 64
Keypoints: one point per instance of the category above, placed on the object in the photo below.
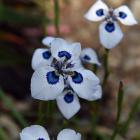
pixel 26 17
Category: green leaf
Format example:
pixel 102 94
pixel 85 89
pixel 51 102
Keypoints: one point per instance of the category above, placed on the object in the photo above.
pixel 106 67
pixel 3 135
pixel 119 111
pixel 9 105
pixel 13 16
pixel 130 117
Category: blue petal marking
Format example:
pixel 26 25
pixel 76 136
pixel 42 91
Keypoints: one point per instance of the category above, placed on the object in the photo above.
pixel 77 78
pixel 69 98
pixel 46 54
pixel 86 57
pixel 52 78
pixel 40 139
pixel 122 15
pixel 100 12
pixel 110 27
pixel 64 54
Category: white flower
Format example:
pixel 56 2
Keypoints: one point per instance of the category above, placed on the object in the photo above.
pixel 110 32
pixel 47 40
pixel 40 57
pixel 68 134
pixel 89 55
pixel 37 132
pixel 61 77
pixel 43 56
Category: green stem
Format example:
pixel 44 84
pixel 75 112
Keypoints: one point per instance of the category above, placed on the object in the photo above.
pixel 119 111
pixel 51 109
pixel 94 125
pixel 56 16
pixel 45 110
pixel 106 67
pixel 65 123
pixel 40 112
pixel 130 117
pixel 9 104
pixel 94 118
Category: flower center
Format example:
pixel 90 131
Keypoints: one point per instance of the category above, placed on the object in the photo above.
pixel 61 67
pixel 111 16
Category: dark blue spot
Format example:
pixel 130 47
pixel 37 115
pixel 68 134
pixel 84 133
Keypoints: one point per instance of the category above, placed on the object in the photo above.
pixel 52 78
pixel 100 12
pixel 69 98
pixel 40 139
pixel 64 54
pixel 46 54
pixel 77 78
pixel 110 27
pixel 122 15
pixel 86 57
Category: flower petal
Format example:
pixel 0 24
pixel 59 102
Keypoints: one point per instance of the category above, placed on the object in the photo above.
pixel 62 49
pixel 41 57
pixel 86 84
pixel 68 134
pixel 34 132
pixel 76 64
pixel 45 84
pixel 110 34
pixel 47 41
pixel 125 16
pixel 97 12
pixel 89 55
pixel 68 104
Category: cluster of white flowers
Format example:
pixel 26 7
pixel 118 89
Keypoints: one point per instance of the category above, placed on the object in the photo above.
pixel 59 74
pixel 37 132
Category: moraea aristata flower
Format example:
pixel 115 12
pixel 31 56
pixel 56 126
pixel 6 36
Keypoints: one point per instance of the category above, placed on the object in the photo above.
pixel 37 132
pixel 60 76
pixel 109 30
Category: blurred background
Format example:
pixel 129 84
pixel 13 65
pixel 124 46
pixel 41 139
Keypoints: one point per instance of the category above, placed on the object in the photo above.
pixel 23 24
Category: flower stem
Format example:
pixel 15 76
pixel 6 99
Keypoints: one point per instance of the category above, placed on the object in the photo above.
pixel 45 109
pixel 94 119
pixel 40 112
pixel 106 67
pixel 51 108
pixel 65 123
pixel 130 117
pixel 94 125
pixel 56 16
pixel 9 104
pixel 119 111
